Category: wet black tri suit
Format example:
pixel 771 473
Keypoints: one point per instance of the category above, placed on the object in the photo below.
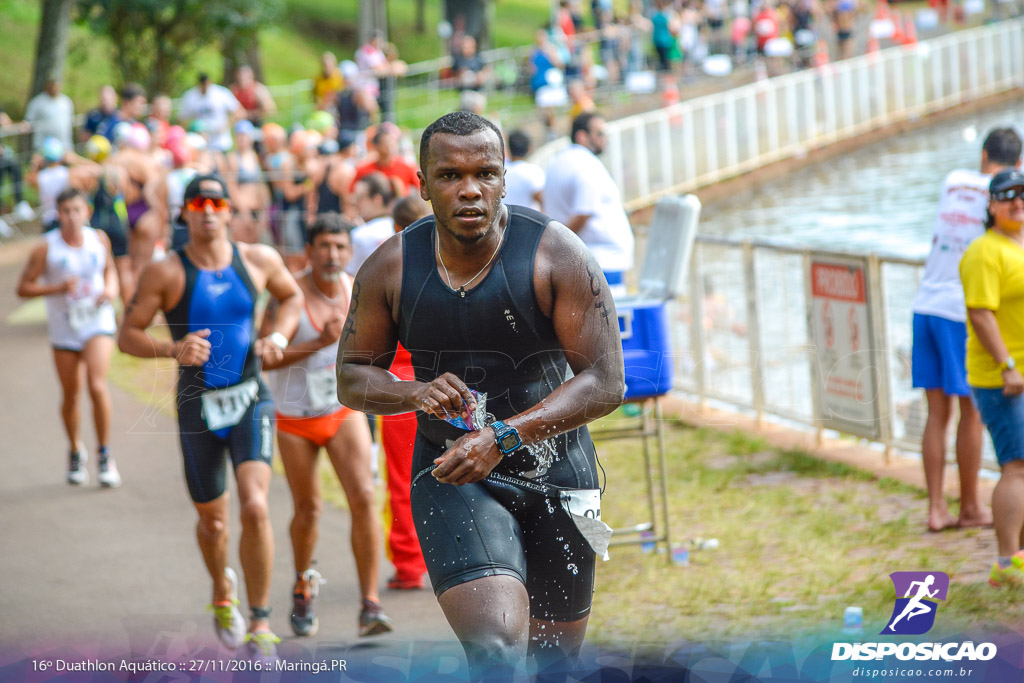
pixel 496 339
pixel 239 417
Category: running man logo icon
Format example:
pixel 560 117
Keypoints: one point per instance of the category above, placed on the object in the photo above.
pixel 914 613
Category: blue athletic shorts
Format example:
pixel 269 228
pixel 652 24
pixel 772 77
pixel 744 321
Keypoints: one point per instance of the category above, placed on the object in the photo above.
pixel 1004 417
pixel 938 355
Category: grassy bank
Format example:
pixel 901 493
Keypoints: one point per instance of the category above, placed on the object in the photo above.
pixel 800 540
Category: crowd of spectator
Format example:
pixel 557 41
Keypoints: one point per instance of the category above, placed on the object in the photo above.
pixel 617 47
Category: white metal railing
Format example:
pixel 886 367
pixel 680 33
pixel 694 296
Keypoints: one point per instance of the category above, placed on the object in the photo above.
pixel 695 143
pixel 742 337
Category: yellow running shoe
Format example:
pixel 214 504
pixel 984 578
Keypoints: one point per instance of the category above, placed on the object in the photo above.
pixel 1012 576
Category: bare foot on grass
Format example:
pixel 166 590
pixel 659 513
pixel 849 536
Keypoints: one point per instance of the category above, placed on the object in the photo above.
pixel 973 519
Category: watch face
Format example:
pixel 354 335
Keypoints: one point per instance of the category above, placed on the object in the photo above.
pixel 509 441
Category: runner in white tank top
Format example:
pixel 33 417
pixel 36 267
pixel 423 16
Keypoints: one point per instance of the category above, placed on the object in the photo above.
pixel 309 417
pixel 73 268
pixel 84 311
pixel 308 387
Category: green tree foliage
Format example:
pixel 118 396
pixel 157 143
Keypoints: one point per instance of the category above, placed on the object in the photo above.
pixel 155 41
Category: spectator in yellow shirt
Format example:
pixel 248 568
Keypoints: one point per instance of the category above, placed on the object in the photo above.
pixel 992 271
pixel 328 83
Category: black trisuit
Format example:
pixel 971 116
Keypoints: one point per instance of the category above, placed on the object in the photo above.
pixel 496 339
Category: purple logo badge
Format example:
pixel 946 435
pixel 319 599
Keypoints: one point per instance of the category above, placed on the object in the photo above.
pixel 914 612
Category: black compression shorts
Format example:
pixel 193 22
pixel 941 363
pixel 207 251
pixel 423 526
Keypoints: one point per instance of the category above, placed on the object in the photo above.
pixel 203 450
pixel 490 529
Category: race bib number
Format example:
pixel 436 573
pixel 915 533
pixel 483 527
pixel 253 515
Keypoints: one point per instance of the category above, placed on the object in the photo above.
pixel 322 388
pixel 584 508
pixel 225 407
pixel 83 314
pixel 583 502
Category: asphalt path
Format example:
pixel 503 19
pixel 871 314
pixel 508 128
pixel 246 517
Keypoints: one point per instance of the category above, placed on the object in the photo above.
pixel 99 574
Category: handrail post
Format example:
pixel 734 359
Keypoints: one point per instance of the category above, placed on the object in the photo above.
pixel 880 342
pixel 754 332
pixel 697 326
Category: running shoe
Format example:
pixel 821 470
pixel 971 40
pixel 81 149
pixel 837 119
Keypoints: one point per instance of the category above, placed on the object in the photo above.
pixel 262 646
pixel 1012 576
pixel 77 474
pixel 372 620
pixel 397 583
pixel 108 476
pixel 23 212
pixel 304 619
pixel 227 619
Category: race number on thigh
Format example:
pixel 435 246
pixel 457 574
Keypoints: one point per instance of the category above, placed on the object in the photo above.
pixel 225 407
pixel 322 386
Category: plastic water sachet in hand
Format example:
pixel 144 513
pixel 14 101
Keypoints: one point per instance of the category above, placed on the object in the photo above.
pixel 477 417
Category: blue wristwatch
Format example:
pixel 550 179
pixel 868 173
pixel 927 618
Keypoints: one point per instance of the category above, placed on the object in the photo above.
pixel 506 437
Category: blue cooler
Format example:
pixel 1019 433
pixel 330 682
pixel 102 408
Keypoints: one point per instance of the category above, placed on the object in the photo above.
pixel 643 320
pixel 646 347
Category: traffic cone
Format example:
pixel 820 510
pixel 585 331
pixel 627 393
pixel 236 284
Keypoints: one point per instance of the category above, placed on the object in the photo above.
pixel 669 92
pixel 821 56
pixel 872 45
pixel 882 10
pixel 910 32
pixel 670 98
pixel 898 36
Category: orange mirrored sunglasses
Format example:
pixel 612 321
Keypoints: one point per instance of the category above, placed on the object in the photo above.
pixel 200 203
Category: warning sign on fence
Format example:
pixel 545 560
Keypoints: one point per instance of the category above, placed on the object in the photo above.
pixel 844 358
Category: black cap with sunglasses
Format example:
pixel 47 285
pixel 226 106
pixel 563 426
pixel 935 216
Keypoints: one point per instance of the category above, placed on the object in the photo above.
pixel 1004 180
pixel 1005 185
pixel 195 189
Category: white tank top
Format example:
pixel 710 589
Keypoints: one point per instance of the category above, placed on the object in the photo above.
pixel 74 316
pixel 309 388
pixel 52 181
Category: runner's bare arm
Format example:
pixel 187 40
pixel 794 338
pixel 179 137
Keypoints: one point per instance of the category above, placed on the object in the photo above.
pixel 370 337
pixel 286 292
pixel 570 285
pixel 28 284
pixel 330 333
pixel 587 326
pixel 284 289
pixel 155 284
pixel 368 343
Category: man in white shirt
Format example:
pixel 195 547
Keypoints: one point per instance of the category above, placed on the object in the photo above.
pixel 940 333
pixel 216 107
pixel 51 114
pixel 524 182
pixel 580 193
pixel 372 195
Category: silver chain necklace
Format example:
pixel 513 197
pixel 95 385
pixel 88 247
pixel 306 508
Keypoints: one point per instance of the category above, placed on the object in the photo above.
pixel 462 288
